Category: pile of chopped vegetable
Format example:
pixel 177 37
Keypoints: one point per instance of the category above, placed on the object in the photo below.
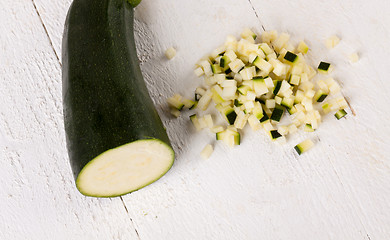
pixel 263 83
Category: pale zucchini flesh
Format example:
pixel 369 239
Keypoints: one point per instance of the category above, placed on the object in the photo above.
pixel 125 169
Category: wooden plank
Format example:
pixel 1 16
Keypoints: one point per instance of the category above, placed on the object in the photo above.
pixel 356 149
pixel 338 190
pixel 38 199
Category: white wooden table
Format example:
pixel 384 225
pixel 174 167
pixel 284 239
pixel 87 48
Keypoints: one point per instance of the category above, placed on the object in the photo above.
pixel 259 190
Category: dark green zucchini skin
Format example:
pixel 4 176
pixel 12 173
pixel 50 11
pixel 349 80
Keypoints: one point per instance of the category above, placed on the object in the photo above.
pixel 106 102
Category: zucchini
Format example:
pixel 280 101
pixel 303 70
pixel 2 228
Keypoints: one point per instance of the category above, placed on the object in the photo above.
pixel 116 141
pixel 291 57
pixel 340 114
pixel 323 66
pixel 277 113
pixel 304 146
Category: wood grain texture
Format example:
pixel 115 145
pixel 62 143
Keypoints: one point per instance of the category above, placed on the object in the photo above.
pixel 338 190
pixel 38 199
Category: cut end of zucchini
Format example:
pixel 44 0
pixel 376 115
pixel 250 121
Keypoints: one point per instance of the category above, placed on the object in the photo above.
pixel 125 169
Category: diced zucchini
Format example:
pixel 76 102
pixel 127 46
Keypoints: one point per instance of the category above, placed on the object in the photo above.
pixel 278 100
pixel 198 72
pixel 215 68
pixel 340 114
pixel 292 110
pixel 257 111
pixel 176 102
pixel 188 103
pixel 170 53
pixel 302 47
pixel 248 33
pixel 259 86
pixel 353 57
pixel 270 103
pixel 241 120
pixel 175 112
pixel 204 101
pixel 287 102
pixel 332 41
pixel 323 67
pixel 195 121
pixel 264 118
pixel 304 146
pixel 320 96
pixel 254 123
pixel 266 48
pixel 275 134
pixel 277 113
pixel 237 103
pixel 295 79
pixel 263 65
pixel 207 151
pixel 277 87
pixel 230 115
pixel 236 65
pixel 216 128
pixel 326 107
pixel 308 128
pixel 281 41
pixel 291 57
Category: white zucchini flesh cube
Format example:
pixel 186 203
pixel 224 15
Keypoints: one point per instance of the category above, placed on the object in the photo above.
pixel 263 65
pixel 231 55
pixel 200 91
pixel 297 69
pixel 300 107
pixel 198 72
pixel 254 123
pixel 269 36
pixel 271 56
pixel 353 57
pixel 322 85
pixel 310 93
pixel 252 57
pixel 292 128
pixel 266 48
pixel 236 65
pixel 217 128
pixel 195 121
pixel 257 111
pixel 250 96
pixel 220 77
pixel 249 105
pixel 228 93
pixel 332 41
pixel 209 81
pixel 238 77
pixel 302 47
pixel 229 83
pixel 334 88
pixel 308 104
pixel 278 100
pixel 342 103
pixel 207 151
pixel 247 32
pixel 268 126
pixel 269 82
pixel 304 146
pixel 215 53
pixel 202 122
pixel 248 73
pixel 284 87
pixel 295 79
pixel 170 53
pixel 281 41
pixel 299 96
pixel 231 43
pixel 304 77
pixel 175 101
pixel 175 112
pixel 205 100
pixel 209 120
pixel 206 67
pixel 283 130
pixel 241 120
pixel 260 87
pixel 279 68
pixel 270 103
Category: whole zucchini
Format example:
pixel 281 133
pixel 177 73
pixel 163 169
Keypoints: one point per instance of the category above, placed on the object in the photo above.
pixel 116 141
